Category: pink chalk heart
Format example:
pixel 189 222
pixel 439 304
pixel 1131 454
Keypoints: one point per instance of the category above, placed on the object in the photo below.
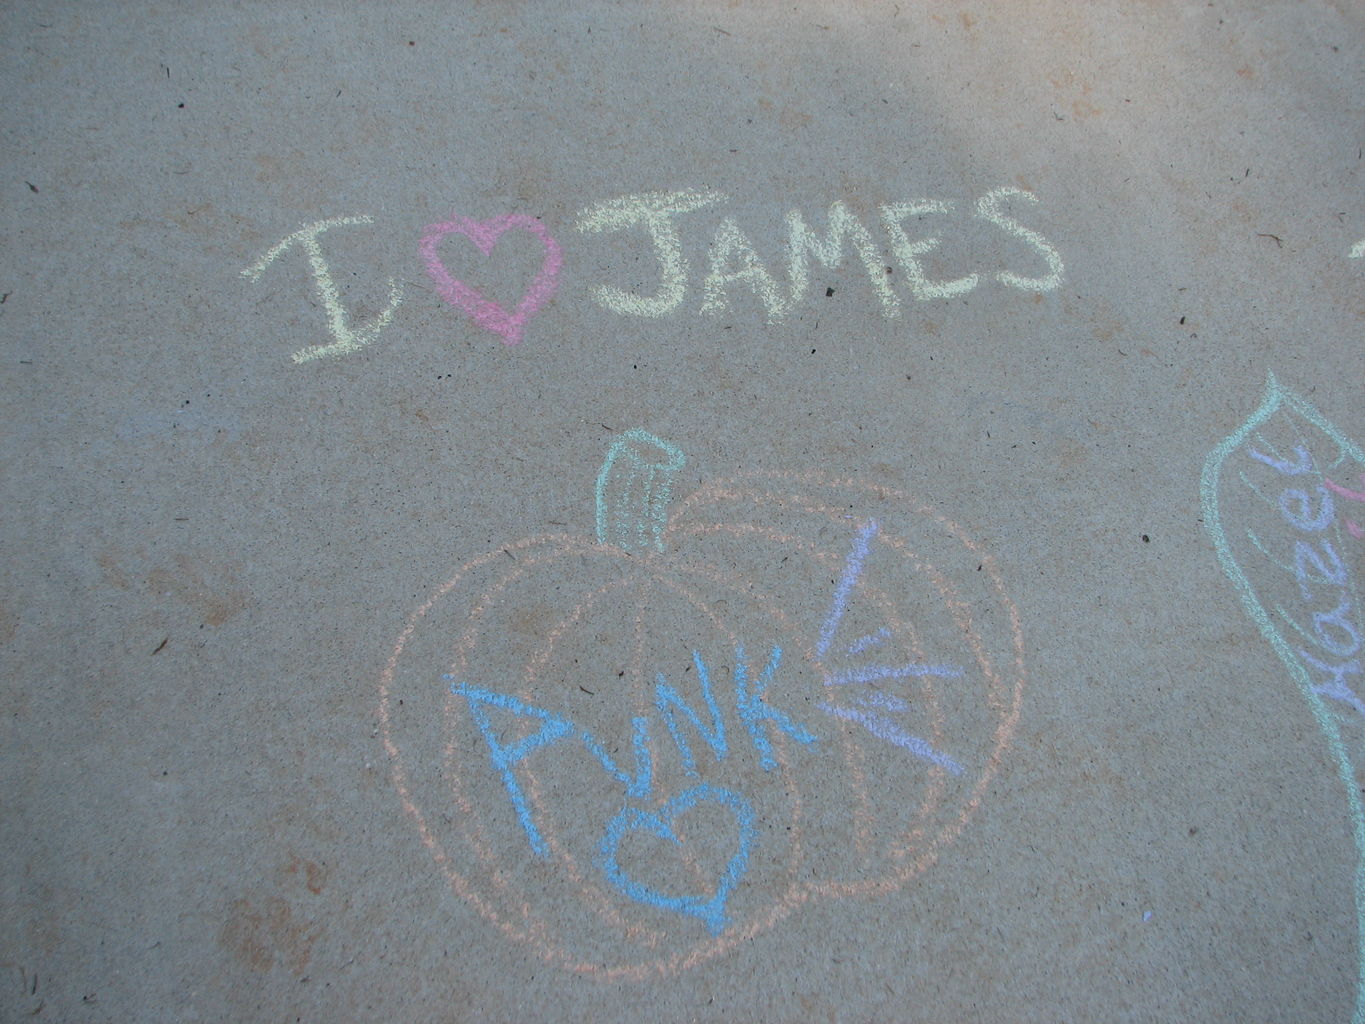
pixel 485 234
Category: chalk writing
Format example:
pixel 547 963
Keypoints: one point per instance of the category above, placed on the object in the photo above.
pixel 1273 513
pixel 553 729
pixel 671 704
pixel 504 757
pixel 734 259
pixel 624 808
pixel 653 211
pixel 802 243
pixel 908 253
pixel 749 704
pixel 752 709
pixel 990 207
pixel 735 264
pixel 731 246
pixel 485 234
pixel 755 711
pixel 346 338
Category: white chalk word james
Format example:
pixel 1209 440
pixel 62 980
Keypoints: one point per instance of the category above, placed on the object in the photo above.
pixel 735 262
pixel 1284 498
pixel 888 257
pixel 634 750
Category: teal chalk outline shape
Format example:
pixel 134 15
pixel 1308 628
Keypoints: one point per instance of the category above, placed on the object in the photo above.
pixel 633 490
pixel 1277 396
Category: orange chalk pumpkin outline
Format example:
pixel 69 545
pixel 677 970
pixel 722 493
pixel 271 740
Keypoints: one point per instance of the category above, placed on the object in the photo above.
pixel 642 537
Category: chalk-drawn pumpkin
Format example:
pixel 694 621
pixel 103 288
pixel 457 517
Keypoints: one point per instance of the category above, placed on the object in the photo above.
pixel 580 631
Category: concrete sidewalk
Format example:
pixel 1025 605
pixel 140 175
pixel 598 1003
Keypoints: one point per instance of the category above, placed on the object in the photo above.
pixel 701 511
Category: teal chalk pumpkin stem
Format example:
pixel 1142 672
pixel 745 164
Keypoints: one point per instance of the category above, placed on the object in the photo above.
pixel 633 491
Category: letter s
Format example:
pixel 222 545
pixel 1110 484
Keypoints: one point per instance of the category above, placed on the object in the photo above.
pixel 988 208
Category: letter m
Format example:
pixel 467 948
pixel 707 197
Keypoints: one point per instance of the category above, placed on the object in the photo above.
pixel 802 243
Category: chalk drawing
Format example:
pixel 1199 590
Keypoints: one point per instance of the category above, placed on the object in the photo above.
pixel 1352 527
pixel 1358 250
pixel 874 721
pixel 989 208
pixel 1282 593
pixel 653 211
pixel 711 909
pixel 880 725
pixel 872 673
pixel 559 727
pixel 908 253
pixel 347 339
pixel 853 567
pixel 485 234
pixel 633 490
pixel 869 641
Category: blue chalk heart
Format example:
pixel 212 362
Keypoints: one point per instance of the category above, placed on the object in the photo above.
pixel 710 909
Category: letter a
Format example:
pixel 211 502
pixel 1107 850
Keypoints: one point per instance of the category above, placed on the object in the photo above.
pixel 732 246
pixel 552 730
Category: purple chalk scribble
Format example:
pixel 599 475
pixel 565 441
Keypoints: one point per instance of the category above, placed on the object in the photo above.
pixel 875 721
pixel 884 729
pixel 853 568
pixel 872 673
pixel 871 640
pixel 884 700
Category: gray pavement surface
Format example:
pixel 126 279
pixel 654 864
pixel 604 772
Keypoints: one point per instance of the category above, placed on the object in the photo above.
pixel 688 511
